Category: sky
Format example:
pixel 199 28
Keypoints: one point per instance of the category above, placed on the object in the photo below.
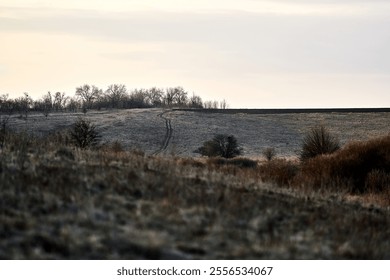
pixel 253 53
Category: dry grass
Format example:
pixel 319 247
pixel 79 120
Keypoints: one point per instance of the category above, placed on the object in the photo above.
pixel 143 129
pixel 360 167
pixel 59 202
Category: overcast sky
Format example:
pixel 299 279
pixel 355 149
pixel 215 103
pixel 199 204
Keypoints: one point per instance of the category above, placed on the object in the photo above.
pixel 255 54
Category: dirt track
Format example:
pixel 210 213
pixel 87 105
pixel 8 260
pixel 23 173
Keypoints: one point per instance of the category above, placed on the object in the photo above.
pixel 168 134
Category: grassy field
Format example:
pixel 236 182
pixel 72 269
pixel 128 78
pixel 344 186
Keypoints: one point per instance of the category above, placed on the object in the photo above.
pixel 144 129
pixel 60 202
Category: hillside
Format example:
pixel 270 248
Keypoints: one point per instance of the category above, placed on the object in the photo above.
pixel 106 205
pixel 143 198
pixel 144 129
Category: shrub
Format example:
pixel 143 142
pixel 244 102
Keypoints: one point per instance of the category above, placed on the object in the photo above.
pixel 359 159
pixel 243 162
pixel 269 153
pixel 84 134
pixel 318 141
pixel 280 171
pixel 360 167
pixel 222 145
pixel 240 162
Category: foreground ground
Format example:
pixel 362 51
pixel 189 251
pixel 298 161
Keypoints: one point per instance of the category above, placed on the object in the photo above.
pixel 70 204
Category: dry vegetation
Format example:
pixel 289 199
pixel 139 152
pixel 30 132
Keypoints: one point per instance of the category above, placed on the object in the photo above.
pixel 61 202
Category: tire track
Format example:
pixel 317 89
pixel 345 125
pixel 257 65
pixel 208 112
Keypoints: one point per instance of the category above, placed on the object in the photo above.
pixel 168 133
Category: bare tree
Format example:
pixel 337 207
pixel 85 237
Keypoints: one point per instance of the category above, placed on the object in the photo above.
pixel 223 104
pixel 60 101
pixel 138 98
pixel 169 97
pixel 155 96
pixel 73 104
pixel 176 96
pixel 47 104
pixel 6 105
pixel 116 93
pixel 88 94
pixel 181 96
pixel 207 105
pixel 195 101
pixel 24 104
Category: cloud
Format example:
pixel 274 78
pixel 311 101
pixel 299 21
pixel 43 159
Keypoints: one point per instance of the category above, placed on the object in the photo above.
pixel 296 7
pixel 3 70
pixel 213 51
pixel 253 43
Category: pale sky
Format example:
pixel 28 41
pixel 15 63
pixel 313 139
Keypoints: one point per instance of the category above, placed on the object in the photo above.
pixel 253 53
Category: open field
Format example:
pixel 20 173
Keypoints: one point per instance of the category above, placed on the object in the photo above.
pixel 60 202
pixel 144 128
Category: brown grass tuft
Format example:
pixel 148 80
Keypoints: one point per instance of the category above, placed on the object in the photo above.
pixel 279 171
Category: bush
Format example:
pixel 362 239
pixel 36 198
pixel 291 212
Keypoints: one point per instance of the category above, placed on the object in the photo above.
pixel 243 162
pixel 240 162
pixel 222 145
pixel 318 141
pixel 360 167
pixel 269 153
pixel 279 171
pixel 84 134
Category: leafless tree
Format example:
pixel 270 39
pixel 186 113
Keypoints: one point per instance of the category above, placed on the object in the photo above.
pixel 138 98
pixel 169 97
pixel 60 100
pixel 73 104
pixel 116 93
pixel 88 94
pixel 6 105
pixel 24 104
pixel 223 104
pixel 195 101
pixel 176 96
pixel 47 104
pixel 155 96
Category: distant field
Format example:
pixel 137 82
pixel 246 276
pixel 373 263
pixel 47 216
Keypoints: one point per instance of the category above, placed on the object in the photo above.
pixel 255 129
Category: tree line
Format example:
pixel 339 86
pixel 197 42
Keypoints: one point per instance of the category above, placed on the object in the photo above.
pixel 116 96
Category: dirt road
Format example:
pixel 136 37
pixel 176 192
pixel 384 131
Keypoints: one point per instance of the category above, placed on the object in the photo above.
pixel 168 134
